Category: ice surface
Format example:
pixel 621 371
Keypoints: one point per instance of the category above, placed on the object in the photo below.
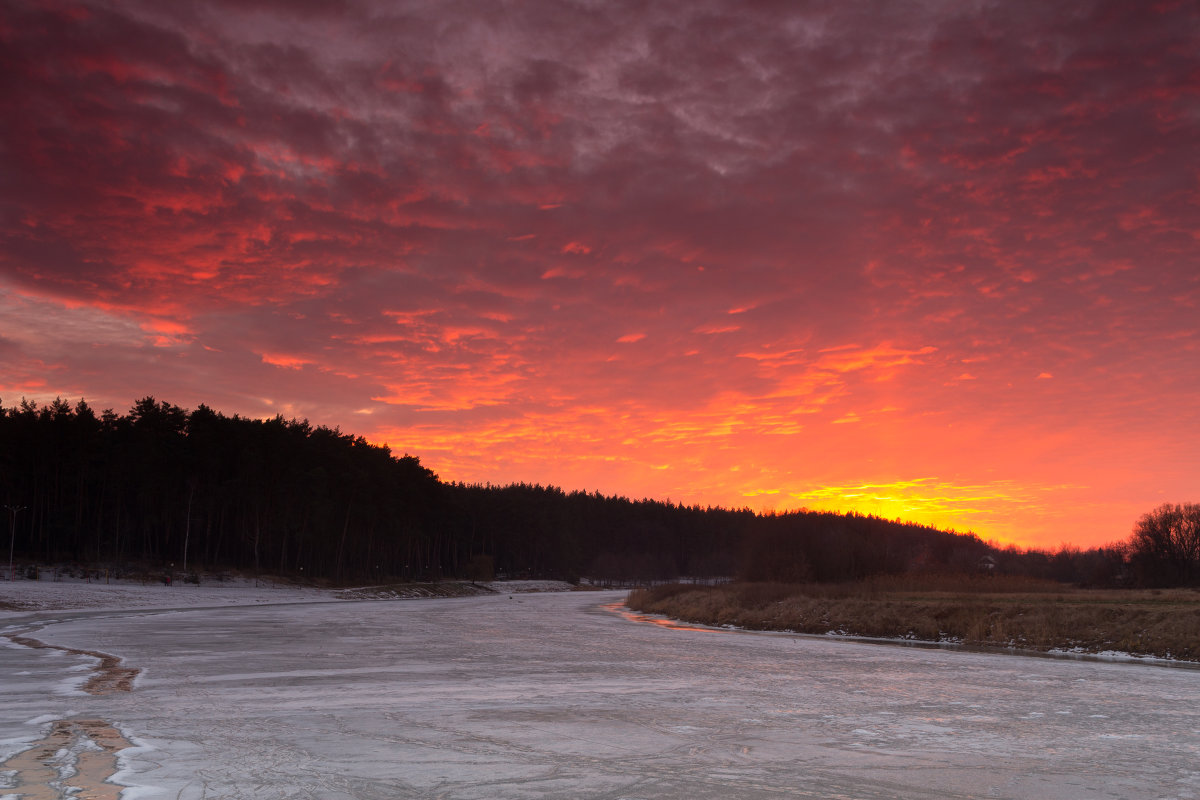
pixel 550 695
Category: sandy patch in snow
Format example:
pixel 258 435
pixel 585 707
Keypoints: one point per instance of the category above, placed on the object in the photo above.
pixel 109 675
pixel 77 758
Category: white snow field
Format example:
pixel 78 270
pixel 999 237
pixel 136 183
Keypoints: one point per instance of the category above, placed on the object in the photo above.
pixel 555 696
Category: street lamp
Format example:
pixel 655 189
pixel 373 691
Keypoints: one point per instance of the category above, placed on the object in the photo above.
pixel 12 536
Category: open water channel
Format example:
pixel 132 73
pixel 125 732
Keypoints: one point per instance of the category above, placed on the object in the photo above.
pixel 555 696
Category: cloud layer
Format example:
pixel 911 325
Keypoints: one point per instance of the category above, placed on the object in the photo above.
pixel 741 254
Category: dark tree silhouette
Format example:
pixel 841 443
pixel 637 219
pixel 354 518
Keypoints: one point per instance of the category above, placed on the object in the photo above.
pixel 1165 546
pixel 163 487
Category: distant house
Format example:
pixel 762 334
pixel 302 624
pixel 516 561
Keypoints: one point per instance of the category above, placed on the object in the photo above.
pixel 987 564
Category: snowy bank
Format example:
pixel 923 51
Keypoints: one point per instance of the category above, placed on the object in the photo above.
pixel 23 596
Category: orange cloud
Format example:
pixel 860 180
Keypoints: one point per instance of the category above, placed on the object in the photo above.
pixel 285 361
pixel 847 358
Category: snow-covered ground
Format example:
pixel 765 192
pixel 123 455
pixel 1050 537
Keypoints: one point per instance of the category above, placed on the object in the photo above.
pixel 20 596
pixel 553 695
pixel 17 597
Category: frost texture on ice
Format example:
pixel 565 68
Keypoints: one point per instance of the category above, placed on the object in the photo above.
pixel 550 695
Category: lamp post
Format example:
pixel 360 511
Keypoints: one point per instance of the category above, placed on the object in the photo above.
pixel 12 536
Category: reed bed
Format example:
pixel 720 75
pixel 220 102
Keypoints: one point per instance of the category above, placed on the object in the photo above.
pixel 989 612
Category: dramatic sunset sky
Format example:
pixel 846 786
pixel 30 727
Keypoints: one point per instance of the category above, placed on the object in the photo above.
pixel 937 261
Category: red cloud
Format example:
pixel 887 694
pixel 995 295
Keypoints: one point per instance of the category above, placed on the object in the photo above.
pixel 460 221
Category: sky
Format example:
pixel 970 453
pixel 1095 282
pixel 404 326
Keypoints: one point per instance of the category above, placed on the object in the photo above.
pixel 933 261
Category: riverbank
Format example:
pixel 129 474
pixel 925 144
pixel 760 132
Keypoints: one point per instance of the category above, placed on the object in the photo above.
pixel 549 695
pixel 22 596
pixel 992 613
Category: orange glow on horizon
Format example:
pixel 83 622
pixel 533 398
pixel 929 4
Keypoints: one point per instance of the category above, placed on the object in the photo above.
pixel 689 462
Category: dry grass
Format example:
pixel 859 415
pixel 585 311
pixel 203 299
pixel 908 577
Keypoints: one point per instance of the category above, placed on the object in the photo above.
pixel 399 591
pixel 994 612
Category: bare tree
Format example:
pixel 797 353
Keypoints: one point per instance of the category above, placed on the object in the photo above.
pixel 1165 547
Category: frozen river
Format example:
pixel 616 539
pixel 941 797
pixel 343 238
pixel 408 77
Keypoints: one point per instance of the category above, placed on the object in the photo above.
pixel 553 696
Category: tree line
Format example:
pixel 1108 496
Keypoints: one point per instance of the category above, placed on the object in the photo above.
pixel 165 488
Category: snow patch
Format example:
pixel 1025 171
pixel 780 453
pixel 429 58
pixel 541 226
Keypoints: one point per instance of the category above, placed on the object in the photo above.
pixel 127 769
pixel 43 719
